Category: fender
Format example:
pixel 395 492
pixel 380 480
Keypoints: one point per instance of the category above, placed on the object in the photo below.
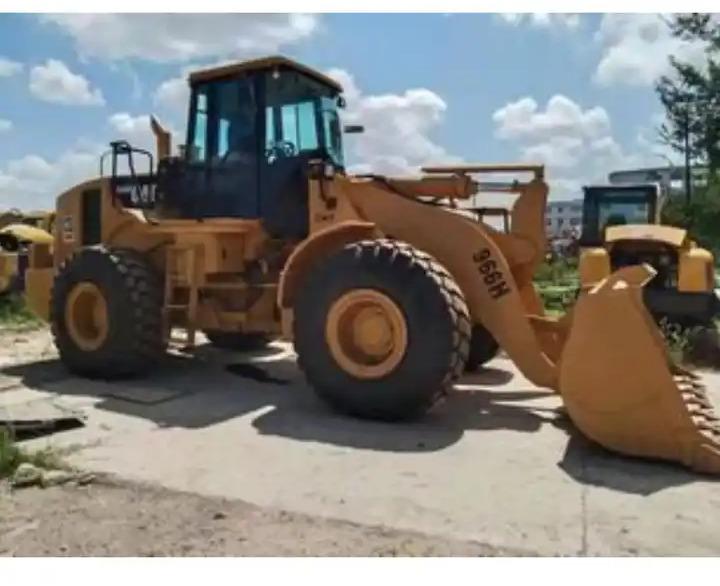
pixel 317 246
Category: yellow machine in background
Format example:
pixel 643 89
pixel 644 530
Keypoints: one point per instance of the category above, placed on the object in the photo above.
pixel 382 283
pixel 621 227
pixel 18 231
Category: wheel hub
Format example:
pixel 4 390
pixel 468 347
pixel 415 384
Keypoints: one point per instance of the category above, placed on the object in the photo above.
pixel 86 316
pixel 366 333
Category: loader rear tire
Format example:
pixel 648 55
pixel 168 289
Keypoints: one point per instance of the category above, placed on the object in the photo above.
pixel 483 348
pixel 237 341
pixel 428 323
pixel 106 313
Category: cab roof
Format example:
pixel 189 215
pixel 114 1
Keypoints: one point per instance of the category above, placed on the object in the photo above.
pixel 264 63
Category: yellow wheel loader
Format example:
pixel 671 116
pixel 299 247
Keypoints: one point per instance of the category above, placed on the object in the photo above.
pixel 18 231
pixel 621 227
pixel 258 230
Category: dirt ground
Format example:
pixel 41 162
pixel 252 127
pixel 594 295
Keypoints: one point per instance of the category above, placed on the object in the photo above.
pixel 125 519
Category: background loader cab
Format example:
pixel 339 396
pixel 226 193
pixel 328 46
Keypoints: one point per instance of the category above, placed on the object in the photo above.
pixel 621 228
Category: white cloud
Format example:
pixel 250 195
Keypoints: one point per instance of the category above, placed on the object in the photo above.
pixel 136 130
pixel 173 95
pixel 54 82
pixel 181 37
pixel 33 182
pixel 398 128
pixel 636 48
pixel 5 125
pixel 576 144
pixel 562 116
pixel 541 19
pixel 9 67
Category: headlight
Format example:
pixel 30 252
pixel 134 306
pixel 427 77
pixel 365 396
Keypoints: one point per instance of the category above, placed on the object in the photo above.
pixel 329 171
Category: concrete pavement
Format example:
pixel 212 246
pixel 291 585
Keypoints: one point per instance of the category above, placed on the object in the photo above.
pixel 496 463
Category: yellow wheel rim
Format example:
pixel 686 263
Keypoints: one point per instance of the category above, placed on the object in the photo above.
pixel 86 316
pixel 366 333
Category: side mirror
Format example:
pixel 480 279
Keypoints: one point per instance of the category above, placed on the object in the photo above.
pixel 341 103
pixel 353 129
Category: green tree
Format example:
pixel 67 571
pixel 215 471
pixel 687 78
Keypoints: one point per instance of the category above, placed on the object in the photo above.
pixel 691 94
pixel 702 216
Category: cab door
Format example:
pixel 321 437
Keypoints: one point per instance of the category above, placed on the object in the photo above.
pixel 235 145
pixel 222 161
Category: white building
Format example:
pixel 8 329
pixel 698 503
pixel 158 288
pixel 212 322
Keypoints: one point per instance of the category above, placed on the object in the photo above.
pixel 563 219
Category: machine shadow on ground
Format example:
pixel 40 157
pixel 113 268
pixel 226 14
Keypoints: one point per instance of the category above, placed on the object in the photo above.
pixel 216 386
pixel 590 464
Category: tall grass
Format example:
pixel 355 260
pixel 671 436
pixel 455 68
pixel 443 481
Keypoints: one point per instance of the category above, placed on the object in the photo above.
pixel 11 455
pixel 14 313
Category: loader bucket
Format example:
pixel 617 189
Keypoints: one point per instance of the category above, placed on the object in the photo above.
pixel 620 386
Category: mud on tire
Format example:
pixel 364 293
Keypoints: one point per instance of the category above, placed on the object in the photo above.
pixel 133 293
pixel 436 316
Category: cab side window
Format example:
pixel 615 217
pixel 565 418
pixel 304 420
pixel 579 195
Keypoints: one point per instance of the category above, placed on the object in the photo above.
pixel 198 147
pixel 223 123
pixel 234 122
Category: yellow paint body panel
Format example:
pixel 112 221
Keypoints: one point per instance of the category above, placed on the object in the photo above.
pixel 669 235
pixel 594 266
pixel 695 270
pixel 38 285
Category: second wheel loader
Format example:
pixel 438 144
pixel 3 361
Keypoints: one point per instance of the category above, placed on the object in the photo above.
pixel 382 283
pixel 18 231
pixel 621 227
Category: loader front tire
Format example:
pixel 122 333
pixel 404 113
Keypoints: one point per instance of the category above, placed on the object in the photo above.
pixel 381 330
pixel 106 313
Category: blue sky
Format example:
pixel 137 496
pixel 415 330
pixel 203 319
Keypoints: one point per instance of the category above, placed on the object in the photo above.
pixel 574 91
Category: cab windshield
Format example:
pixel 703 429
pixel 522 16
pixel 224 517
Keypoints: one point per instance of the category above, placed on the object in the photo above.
pixel 301 119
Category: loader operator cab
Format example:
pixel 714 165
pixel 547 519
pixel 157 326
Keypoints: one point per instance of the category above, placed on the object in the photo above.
pixel 253 130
